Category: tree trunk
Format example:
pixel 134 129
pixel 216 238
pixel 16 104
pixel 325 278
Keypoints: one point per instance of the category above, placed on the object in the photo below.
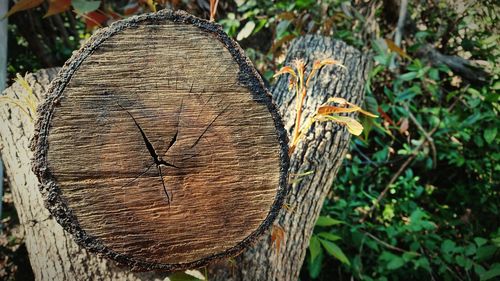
pixel 321 152
pixel 55 256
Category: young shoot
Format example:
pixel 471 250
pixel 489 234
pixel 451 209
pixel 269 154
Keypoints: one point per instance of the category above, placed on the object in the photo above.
pixel 329 111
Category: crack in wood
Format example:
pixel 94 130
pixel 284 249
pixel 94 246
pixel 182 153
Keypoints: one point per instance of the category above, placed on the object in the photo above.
pixel 157 160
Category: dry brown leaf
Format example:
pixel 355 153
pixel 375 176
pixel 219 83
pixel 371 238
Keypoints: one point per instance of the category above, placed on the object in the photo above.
pixel 22 6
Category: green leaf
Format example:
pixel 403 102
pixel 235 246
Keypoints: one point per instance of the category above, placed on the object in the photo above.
pixel 329 236
pixel 314 248
pixel 395 263
pixel 327 221
pixel 485 252
pixel 84 7
pixel 480 241
pixel 496 241
pixel 332 249
pixel 490 134
pixel 315 266
pixel 448 246
pixel 408 76
pixel 493 272
pixel 423 263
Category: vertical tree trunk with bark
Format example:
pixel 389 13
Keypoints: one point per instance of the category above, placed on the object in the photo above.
pixel 55 256
pixel 321 151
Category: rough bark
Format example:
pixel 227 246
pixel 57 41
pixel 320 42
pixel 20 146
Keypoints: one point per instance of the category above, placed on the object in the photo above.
pixel 55 256
pixel 3 45
pixel 322 152
pixel 158 145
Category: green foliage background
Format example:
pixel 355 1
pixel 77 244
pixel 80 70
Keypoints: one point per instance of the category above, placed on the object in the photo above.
pixel 440 217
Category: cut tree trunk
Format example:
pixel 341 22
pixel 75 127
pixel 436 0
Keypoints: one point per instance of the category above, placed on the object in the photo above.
pixel 55 256
pixel 157 135
pixel 321 152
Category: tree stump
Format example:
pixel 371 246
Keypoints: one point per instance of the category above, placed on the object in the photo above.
pixel 55 256
pixel 158 145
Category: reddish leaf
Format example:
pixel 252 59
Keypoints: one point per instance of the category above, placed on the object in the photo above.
pixel 57 6
pixel 94 19
pixel 23 5
pixel 130 9
pixel 328 109
pixel 385 116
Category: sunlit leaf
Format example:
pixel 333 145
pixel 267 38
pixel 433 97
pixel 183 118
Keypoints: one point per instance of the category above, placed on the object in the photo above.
pixel 22 5
pixel 320 63
pixel 57 7
pixel 84 7
pixel 285 69
pixel 151 5
pixel 393 47
pixel 369 114
pixel 353 126
pixel 246 30
pixel 364 112
pixel 340 101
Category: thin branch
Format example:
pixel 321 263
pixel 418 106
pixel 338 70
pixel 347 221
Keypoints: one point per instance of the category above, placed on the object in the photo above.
pixel 398 36
pixel 387 245
pixel 430 140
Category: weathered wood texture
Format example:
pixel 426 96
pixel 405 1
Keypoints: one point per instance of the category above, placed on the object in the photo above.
pixel 158 145
pixel 322 152
pixel 53 253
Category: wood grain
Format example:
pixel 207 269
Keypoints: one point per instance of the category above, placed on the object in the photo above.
pixel 182 81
